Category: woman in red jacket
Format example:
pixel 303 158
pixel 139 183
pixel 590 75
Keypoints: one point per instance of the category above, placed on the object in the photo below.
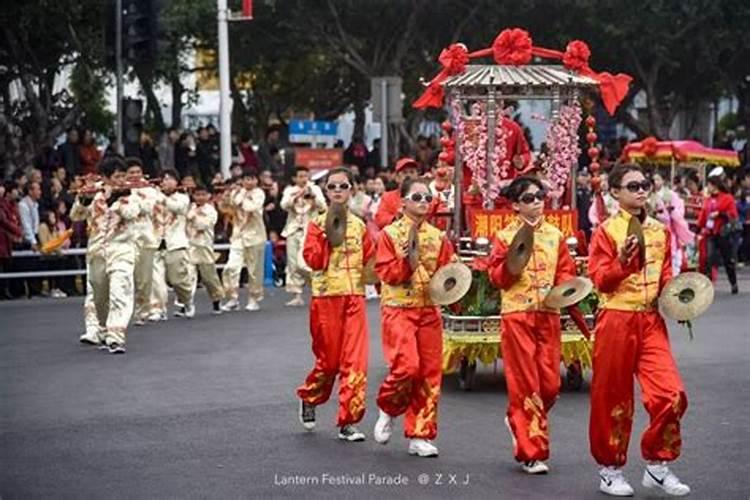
pixel 717 217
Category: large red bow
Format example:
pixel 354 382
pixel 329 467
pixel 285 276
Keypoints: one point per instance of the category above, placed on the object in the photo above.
pixel 649 146
pixel 512 46
pixel 454 58
pixel 576 57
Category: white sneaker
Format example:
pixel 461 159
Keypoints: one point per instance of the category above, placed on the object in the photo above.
pixel 383 428
pixel 231 305
pixel 58 294
pixel 252 305
pixel 535 467
pixel 139 322
pixel 422 448
pixel 306 414
pixel 90 338
pixel 659 476
pixel 155 317
pixel 612 482
pixel 190 311
pixel 296 301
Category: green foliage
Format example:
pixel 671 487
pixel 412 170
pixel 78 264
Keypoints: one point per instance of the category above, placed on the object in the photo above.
pixel 88 89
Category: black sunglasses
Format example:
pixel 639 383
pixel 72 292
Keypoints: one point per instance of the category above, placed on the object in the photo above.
pixel 529 198
pixel 418 197
pixel 635 186
pixel 344 186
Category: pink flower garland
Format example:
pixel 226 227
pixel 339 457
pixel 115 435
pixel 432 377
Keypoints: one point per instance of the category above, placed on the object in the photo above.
pixel 500 162
pixel 475 156
pixel 564 150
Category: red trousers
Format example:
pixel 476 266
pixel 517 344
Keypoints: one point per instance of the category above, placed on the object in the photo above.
pixel 531 360
pixel 628 344
pixel 338 326
pixel 412 385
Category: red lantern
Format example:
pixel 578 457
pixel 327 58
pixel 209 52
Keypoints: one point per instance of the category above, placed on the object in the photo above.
pixel 591 137
pixel 594 167
pixel 593 153
pixel 590 121
pixel 446 126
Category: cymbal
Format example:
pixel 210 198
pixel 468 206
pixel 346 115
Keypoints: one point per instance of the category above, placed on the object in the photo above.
pixel 686 296
pixel 569 293
pixel 520 249
pixel 450 283
pixel 635 228
pixel 336 224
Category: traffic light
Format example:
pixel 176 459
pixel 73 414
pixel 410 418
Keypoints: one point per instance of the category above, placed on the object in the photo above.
pixel 139 30
pixel 132 125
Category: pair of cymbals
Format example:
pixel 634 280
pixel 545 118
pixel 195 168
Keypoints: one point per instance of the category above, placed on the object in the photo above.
pixel 686 296
pixel 520 249
pixel 569 293
pixel 450 283
pixel 335 225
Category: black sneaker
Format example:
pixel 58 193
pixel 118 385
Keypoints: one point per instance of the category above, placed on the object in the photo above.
pixel 115 348
pixel 735 289
pixel 217 307
pixel 307 415
pixel 350 433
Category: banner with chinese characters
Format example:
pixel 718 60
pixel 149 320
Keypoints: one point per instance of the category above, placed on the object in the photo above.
pixel 485 223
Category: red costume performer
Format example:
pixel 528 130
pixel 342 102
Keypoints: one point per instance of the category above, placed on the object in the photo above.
pixel 413 324
pixel 531 334
pixel 631 339
pixel 391 203
pixel 338 323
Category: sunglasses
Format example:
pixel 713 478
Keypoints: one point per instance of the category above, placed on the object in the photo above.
pixel 529 198
pixel 344 186
pixel 419 197
pixel 635 186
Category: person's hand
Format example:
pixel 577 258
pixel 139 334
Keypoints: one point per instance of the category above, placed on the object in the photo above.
pixel 628 250
pixel 270 206
pixel 713 215
pixel 107 192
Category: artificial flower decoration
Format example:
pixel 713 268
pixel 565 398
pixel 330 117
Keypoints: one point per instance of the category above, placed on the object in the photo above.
pixel 512 46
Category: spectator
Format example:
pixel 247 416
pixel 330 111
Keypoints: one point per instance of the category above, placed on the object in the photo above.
pixel 10 232
pixel 69 153
pixel 235 172
pixel 356 153
pixel 265 153
pixel 36 176
pixel 360 202
pixel 19 179
pixel 61 175
pixel 376 194
pixel 743 207
pixel 274 216
pixel 89 154
pixel 28 210
pixel 167 148
pixel 49 229
pixel 184 153
pixel 716 222
pixel 373 157
pixel 47 160
pixel 583 201
pixel 149 156
pixel 249 158
pixel 207 154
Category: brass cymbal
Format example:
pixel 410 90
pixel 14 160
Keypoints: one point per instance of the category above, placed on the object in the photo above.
pixel 569 293
pixel 686 296
pixel 450 283
pixel 520 250
pixel 635 228
pixel 336 224
pixel 412 250
pixel 370 277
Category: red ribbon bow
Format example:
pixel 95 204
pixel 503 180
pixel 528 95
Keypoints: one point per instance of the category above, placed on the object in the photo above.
pixel 454 58
pixel 512 46
pixel 576 57
pixel 649 146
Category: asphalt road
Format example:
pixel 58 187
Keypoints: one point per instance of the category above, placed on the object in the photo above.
pixel 206 409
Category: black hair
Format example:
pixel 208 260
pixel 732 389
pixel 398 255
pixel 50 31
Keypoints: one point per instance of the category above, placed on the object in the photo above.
pixel 519 186
pixel 199 186
pixel 18 173
pixel 409 182
pixel 134 161
pixel 719 183
pixel 112 164
pixel 248 172
pixel 341 170
pixel 170 172
pixel 301 169
pixel 620 171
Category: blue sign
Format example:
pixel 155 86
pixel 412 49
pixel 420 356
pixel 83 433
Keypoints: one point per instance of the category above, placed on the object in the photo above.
pixel 310 127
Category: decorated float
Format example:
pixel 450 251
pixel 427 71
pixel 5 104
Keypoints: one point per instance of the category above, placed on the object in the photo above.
pixel 486 150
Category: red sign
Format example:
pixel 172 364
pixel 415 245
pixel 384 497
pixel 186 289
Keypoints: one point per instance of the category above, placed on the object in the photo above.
pixel 486 223
pixel 318 159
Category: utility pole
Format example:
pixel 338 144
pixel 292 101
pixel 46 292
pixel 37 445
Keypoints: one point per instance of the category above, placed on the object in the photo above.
pixel 119 71
pixel 225 99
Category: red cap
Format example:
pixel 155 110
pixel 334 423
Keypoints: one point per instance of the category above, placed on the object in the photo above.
pixel 406 162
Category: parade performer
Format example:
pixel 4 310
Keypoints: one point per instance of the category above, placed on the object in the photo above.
pixel 159 289
pixel 409 252
pixel 147 242
pixel 201 220
pixel 632 339
pixel 715 222
pixel 391 203
pixel 247 244
pixel 669 209
pixel 176 258
pixel 530 330
pixel 302 200
pixel 110 256
pixel 338 322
